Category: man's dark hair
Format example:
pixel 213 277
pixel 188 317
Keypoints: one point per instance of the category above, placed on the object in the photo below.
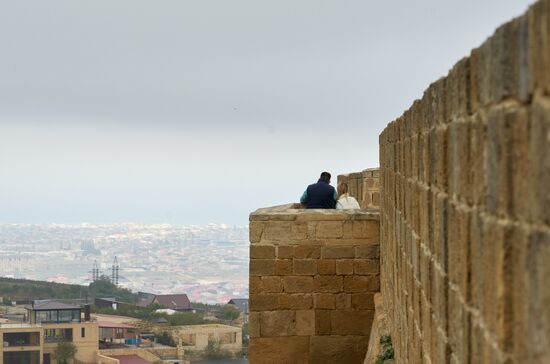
pixel 325 176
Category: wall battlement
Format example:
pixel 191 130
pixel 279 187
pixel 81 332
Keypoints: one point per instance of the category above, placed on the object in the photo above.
pixel 313 275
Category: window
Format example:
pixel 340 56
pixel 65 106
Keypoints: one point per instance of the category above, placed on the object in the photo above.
pixel 83 332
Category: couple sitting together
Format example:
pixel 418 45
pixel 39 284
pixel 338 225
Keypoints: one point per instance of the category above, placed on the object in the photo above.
pixel 322 195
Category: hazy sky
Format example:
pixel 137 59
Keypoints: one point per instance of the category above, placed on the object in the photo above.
pixel 202 111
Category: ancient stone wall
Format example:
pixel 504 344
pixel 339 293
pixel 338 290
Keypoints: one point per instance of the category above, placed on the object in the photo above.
pixel 313 275
pixel 364 186
pixel 465 207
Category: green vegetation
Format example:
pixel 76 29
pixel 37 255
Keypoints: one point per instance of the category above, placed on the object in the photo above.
pixel 386 350
pixel 166 339
pixel 104 288
pixel 64 352
pixel 214 351
pixel 148 314
pixel 228 312
pixel 23 289
pixel 245 334
pixel 142 313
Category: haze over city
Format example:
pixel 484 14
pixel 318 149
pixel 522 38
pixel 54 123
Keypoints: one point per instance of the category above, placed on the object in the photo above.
pixel 196 112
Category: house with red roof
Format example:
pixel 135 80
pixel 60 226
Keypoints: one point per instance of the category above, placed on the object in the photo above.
pixel 176 302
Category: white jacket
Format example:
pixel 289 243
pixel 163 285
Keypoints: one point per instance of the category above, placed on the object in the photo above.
pixel 347 202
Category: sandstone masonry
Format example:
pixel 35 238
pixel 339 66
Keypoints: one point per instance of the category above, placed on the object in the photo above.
pixel 313 275
pixel 465 208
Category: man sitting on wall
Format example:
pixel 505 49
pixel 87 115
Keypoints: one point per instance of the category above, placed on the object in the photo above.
pixel 320 195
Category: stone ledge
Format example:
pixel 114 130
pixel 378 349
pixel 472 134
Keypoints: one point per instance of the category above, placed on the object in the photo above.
pixel 290 212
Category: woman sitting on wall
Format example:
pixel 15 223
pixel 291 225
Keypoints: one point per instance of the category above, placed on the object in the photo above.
pixel 345 201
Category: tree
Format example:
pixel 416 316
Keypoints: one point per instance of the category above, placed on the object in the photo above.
pixel 229 312
pixel 65 350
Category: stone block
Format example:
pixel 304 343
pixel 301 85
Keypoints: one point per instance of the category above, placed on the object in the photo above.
pixel 539 161
pixel 277 231
pixel 364 229
pixel 338 252
pixel 283 267
pixel 366 266
pixel 285 252
pixel 297 301
pixel 307 252
pixel 337 349
pixel 268 350
pixel 356 283
pixel 367 252
pixel 325 301
pixel 327 284
pixel 538 48
pixel 272 284
pixel 355 322
pixel 344 266
pixel 459 326
pixel 256 230
pixel 277 323
pixel 299 231
pixel 538 271
pixel 264 302
pixel 298 284
pixel 305 322
pixel 326 266
pixel 254 324
pixel 343 301
pixel 329 229
pixel 322 322
pixel 362 301
pixel 305 267
pixel 255 284
pixel 262 267
pixel 262 252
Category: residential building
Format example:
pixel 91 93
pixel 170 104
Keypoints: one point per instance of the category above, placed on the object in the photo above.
pixel 49 322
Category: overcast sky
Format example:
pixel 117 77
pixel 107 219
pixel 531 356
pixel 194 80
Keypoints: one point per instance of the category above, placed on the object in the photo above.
pixel 202 111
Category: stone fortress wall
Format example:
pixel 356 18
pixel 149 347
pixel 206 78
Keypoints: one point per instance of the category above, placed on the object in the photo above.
pixel 364 186
pixel 465 207
pixel 313 275
pixel 464 228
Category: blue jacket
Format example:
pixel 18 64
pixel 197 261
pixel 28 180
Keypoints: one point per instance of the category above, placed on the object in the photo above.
pixel 319 195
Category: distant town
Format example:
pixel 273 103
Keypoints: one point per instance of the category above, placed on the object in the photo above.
pixel 209 263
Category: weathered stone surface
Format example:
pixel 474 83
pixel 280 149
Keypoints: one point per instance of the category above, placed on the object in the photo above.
pixel 328 284
pixel 322 322
pixel 271 284
pixel 285 252
pixel 329 229
pixel 366 266
pixel 337 349
pixel 298 301
pixel 355 322
pixel 277 323
pixel 326 266
pixel 307 252
pixel 344 266
pixel 260 267
pixel 283 267
pixel 338 252
pixel 324 301
pixel 305 322
pixel 262 252
pixel 298 284
pixel 305 266
pixel 269 350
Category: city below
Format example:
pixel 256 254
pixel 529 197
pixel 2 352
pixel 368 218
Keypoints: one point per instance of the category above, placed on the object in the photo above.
pixel 209 263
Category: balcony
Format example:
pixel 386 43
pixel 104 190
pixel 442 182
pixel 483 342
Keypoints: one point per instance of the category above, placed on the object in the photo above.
pixel 22 339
